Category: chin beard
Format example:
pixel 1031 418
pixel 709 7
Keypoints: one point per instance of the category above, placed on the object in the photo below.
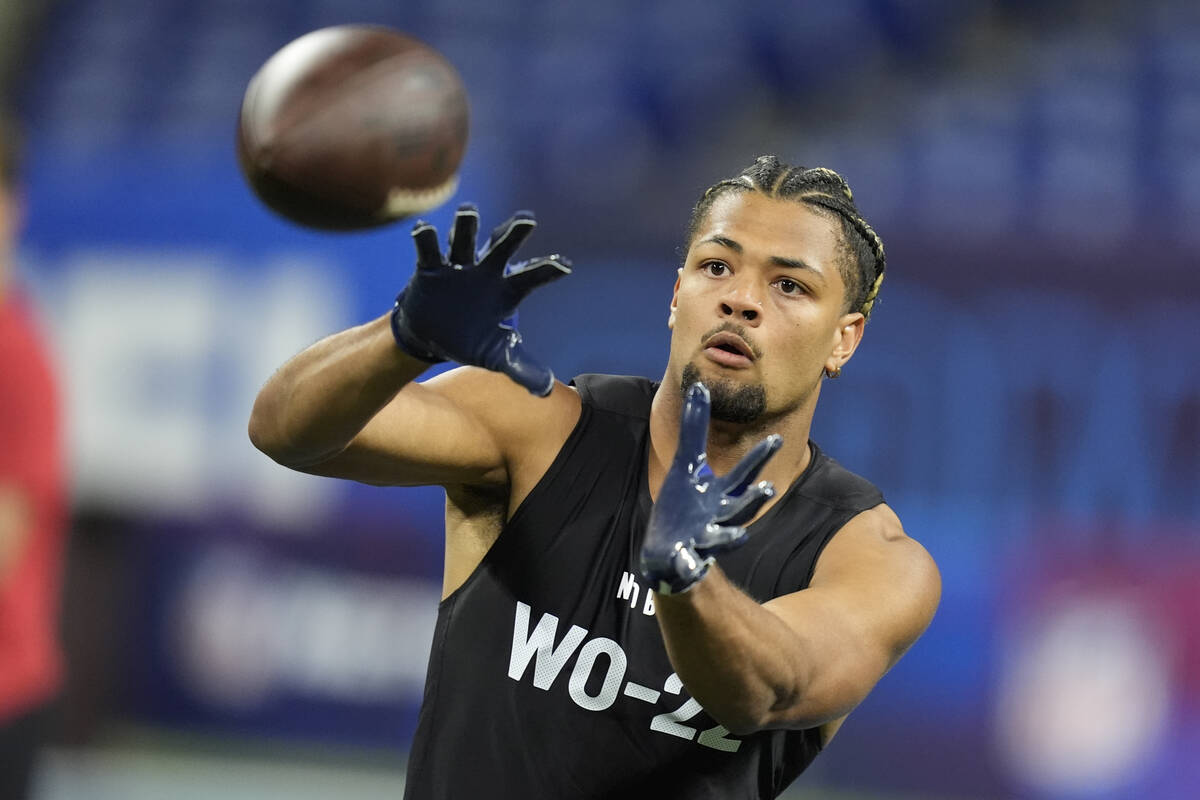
pixel 731 402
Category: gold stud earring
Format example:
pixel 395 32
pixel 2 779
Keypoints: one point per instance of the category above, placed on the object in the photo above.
pixel 836 372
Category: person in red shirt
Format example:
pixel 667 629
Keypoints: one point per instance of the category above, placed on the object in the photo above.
pixel 32 508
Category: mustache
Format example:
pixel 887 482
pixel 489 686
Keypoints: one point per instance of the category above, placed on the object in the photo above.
pixel 738 330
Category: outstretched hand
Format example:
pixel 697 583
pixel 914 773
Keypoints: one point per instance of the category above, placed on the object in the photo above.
pixel 698 514
pixel 463 306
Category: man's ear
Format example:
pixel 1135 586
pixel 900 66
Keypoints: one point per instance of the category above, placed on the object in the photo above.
pixel 675 299
pixel 847 337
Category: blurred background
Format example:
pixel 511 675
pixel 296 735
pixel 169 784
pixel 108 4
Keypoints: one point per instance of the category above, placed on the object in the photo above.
pixel 1027 395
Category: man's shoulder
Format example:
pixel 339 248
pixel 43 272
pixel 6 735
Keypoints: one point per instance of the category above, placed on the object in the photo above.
pixel 832 484
pixel 631 395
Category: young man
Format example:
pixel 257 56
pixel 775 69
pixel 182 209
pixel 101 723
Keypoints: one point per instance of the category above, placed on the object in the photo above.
pixel 33 508
pixel 587 644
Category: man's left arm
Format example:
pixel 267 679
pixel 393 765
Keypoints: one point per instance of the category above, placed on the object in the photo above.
pixel 806 658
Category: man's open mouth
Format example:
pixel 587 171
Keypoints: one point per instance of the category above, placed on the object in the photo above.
pixel 730 343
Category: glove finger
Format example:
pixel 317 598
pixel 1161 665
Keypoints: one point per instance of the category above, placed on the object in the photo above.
pixel 526 276
pixel 507 237
pixel 674 572
pixel 740 510
pixel 689 563
pixel 718 539
pixel 524 369
pixel 462 235
pixel 429 254
pixel 693 425
pixel 745 471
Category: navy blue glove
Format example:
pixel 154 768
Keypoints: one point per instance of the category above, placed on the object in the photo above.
pixel 463 307
pixel 698 514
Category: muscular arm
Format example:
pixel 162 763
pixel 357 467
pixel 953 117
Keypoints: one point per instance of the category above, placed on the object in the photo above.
pixel 318 401
pixel 348 407
pixel 807 658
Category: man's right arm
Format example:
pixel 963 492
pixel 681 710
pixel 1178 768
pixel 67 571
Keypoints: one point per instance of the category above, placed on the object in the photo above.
pixel 349 407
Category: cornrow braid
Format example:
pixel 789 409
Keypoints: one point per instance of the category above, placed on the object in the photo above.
pixel 865 263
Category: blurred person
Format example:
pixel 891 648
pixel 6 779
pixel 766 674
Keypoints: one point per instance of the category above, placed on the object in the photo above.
pixel 32 507
pixel 588 644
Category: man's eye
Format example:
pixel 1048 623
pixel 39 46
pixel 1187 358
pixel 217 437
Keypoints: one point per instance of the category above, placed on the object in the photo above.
pixel 714 268
pixel 788 286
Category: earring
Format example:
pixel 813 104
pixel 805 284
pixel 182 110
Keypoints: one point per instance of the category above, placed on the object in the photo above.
pixel 836 372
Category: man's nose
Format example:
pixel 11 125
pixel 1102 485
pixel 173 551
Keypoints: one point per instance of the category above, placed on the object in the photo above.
pixel 742 305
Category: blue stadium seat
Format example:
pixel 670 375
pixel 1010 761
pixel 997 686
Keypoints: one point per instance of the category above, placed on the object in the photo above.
pixel 1088 193
pixel 969 155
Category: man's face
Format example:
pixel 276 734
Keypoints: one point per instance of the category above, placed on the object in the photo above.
pixel 757 312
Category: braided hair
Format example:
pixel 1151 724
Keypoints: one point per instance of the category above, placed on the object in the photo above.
pixel 864 263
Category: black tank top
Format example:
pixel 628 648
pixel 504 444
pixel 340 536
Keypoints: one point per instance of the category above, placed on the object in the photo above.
pixel 548 676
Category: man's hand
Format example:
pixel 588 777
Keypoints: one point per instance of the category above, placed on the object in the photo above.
pixel 698 514
pixel 463 307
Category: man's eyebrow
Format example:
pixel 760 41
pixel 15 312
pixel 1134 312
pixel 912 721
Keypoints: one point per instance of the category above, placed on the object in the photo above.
pixel 725 241
pixel 795 263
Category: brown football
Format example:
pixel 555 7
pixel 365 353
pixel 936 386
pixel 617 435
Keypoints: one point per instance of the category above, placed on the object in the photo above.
pixel 353 126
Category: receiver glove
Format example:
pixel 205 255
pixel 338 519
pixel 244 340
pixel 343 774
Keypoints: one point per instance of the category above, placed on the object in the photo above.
pixel 698 514
pixel 463 306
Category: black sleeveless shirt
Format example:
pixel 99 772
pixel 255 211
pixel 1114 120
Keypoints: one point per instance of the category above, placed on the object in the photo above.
pixel 548 676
